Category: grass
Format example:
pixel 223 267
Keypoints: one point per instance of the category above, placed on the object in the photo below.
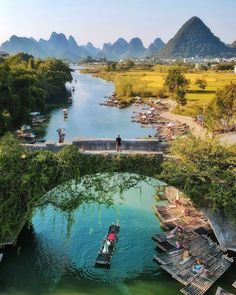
pixel 150 83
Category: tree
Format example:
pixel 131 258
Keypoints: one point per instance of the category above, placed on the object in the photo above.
pixel 111 66
pixel 205 170
pixel 127 65
pixel 26 84
pixel 201 83
pixel 221 112
pixel 177 85
pixel 180 96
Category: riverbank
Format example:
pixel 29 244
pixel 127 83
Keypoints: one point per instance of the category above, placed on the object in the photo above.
pixel 169 122
pixel 147 83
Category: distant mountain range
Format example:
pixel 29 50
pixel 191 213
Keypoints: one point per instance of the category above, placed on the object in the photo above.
pixel 60 47
pixel 193 39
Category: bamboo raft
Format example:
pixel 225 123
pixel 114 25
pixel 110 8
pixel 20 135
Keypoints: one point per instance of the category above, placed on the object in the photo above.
pixel 208 251
pixel 204 281
pixel 180 212
pixel 190 235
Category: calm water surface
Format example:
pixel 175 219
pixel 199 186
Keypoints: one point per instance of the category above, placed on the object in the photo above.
pixel 87 118
pixel 56 257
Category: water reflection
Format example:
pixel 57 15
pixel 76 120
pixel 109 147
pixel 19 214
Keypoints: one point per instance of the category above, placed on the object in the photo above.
pixel 60 252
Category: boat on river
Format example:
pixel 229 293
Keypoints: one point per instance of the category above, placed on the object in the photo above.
pixel 108 247
pixel 65 112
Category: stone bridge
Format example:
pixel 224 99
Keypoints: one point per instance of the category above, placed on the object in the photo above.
pixel 100 146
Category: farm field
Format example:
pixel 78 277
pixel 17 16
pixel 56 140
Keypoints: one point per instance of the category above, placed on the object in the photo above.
pixel 151 82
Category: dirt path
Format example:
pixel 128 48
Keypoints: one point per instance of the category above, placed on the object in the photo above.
pixel 228 138
pixel 198 130
pixel 195 128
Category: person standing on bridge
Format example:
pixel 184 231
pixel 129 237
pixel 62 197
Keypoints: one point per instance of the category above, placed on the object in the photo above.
pixel 118 143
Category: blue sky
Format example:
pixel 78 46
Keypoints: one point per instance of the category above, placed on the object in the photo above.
pixel 102 21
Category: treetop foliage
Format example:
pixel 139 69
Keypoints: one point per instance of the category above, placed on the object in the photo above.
pixel 221 112
pixel 205 170
pixel 177 85
pixel 26 84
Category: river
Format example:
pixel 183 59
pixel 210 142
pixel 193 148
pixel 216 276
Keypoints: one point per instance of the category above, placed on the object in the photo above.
pixel 88 119
pixel 56 256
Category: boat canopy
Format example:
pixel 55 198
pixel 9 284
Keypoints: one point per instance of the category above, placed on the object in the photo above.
pixel 33 114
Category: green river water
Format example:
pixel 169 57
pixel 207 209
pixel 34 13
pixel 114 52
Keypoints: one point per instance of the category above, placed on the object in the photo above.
pixel 56 255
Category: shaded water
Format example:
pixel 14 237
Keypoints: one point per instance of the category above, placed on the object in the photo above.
pixel 56 256
pixel 87 118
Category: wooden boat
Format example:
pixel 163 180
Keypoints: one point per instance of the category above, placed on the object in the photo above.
pixel 107 250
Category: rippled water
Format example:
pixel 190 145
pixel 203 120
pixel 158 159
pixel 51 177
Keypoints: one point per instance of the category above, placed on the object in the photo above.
pixel 56 256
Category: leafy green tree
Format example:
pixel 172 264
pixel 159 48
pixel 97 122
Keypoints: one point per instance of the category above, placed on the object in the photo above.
pixel 126 65
pixel 111 66
pixel 26 85
pixel 177 85
pixel 180 96
pixel 221 112
pixel 201 83
pixel 205 170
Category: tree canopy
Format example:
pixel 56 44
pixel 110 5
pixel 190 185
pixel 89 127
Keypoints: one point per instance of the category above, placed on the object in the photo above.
pixel 26 85
pixel 201 83
pixel 27 177
pixel 221 112
pixel 177 84
pixel 205 170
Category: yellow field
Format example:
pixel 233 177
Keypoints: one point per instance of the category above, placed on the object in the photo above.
pixel 153 81
pixel 197 98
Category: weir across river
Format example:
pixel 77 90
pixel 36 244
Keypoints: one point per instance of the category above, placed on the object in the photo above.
pixel 103 146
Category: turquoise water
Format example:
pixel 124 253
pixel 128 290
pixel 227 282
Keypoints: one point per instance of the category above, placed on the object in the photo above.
pixel 87 118
pixel 56 255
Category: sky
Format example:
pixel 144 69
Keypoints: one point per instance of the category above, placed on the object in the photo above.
pixel 102 21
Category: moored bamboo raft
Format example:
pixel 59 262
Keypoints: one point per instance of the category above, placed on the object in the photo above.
pixel 205 280
pixel 190 256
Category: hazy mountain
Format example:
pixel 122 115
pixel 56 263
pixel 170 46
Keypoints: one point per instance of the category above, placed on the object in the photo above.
pixel 135 49
pixel 43 43
pixel 156 46
pixel 23 44
pixel 57 46
pixel 91 49
pixel 119 47
pixel 106 48
pixel 195 39
pixel 77 50
pixel 233 45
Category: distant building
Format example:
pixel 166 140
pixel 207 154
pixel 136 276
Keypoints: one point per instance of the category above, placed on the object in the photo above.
pixel 3 54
